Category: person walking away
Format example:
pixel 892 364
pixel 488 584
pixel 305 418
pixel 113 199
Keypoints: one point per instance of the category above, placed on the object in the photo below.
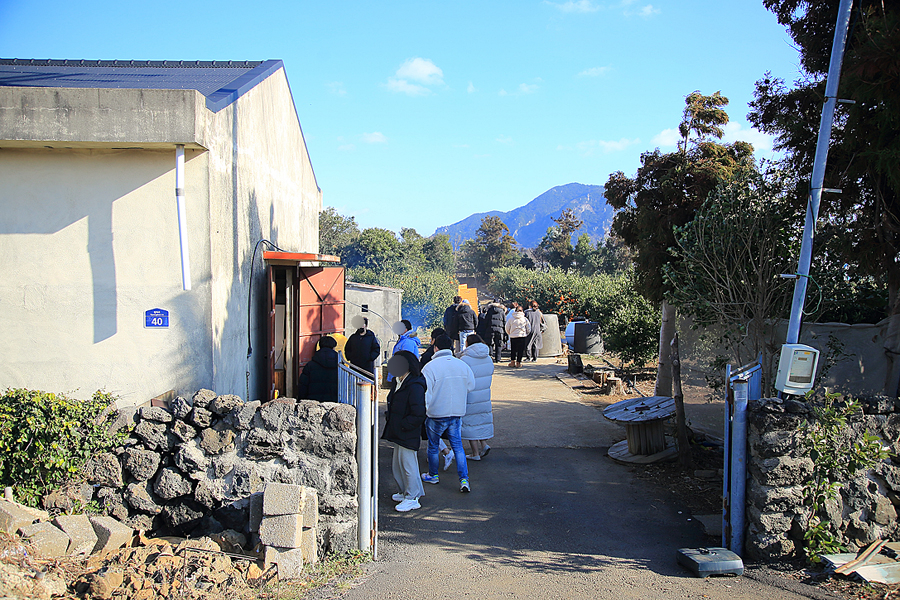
pixel 495 330
pixel 478 422
pixel 448 382
pixel 451 325
pixel 466 321
pixel 430 350
pixel 319 378
pixel 519 328
pixel 405 415
pixel 362 348
pixel 536 341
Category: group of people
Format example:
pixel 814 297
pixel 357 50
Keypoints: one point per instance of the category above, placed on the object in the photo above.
pixel 434 397
pixel 496 324
pixel 441 395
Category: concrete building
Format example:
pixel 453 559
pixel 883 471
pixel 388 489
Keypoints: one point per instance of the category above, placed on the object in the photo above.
pixel 90 234
pixel 381 305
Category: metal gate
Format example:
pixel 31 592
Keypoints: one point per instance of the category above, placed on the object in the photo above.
pixel 360 391
pixel 744 385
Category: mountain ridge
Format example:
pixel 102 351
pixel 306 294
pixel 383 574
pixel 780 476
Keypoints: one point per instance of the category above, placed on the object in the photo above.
pixel 528 223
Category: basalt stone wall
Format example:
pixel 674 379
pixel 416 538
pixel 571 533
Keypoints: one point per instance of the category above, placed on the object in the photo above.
pixel 200 465
pixel 866 509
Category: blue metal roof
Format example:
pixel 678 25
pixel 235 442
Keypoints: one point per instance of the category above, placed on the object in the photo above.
pixel 221 82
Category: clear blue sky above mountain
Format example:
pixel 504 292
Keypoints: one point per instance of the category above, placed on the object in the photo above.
pixel 421 113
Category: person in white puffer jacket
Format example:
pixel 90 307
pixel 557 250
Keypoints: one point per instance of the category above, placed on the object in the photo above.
pixel 478 422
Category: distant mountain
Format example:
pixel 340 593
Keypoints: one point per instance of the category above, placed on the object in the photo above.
pixel 529 223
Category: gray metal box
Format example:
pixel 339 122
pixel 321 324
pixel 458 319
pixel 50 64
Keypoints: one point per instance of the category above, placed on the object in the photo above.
pixel 704 562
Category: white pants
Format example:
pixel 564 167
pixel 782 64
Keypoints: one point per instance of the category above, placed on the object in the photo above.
pixel 406 472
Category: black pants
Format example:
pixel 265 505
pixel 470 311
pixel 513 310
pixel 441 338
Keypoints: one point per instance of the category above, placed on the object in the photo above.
pixel 495 341
pixel 518 348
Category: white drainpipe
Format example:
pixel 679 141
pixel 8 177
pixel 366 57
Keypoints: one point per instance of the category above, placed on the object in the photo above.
pixel 182 219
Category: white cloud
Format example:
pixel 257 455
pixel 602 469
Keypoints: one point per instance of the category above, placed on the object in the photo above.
pixel 575 6
pixel 526 88
pixel 471 88
pixel 591 147
pixel 667 138
pixel 595 72
pixel 347 147
pixel 505 139
pixel 644 11
pixel 376 137
pixel 336 88
pixel 414 75
pixel 762 142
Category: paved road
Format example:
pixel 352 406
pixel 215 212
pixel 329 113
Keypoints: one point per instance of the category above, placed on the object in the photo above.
pixel 549 516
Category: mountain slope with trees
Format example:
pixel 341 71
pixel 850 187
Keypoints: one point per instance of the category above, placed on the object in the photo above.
pixel 528 224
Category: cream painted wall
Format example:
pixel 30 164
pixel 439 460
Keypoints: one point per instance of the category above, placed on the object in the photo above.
pixel 89 237
pixel 89 241
pixel 271 195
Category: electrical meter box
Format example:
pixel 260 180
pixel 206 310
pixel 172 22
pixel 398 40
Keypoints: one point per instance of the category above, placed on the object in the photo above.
pixel 796 369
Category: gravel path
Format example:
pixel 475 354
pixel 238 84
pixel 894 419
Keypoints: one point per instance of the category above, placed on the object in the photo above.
pixel 549 516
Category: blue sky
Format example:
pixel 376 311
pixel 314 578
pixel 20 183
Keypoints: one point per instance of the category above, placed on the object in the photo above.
pixel 418 114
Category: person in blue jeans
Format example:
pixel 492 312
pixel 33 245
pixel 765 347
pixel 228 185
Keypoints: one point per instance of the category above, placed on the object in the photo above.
pixel 449 381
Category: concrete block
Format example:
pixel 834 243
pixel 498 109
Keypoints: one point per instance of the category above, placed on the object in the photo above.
pixel 284 499
pixel 46 540
pixel 282 531
pixel 309 545
pixel 14 517
pixel 111 534
pixel 256 511
pixel 289 561
pixel 311 508
pixel 80 531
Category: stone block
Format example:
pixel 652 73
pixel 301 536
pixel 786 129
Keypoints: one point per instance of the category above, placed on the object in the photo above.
pixel 142 464
pixel 338 536
pixel 46 540
pixel 170 485
pixel 138 496
pixel 104 469
pixel 180 407
pixel 289 561
pixel 210 493
pixel 282 531
pixel 241 417
pixel 14 517
pixel 80 531
pixel 256 511
pixel 311 508
pixel 309 544
pixel 285 499
pixel 183 431
pixel 203 397
pixel 770 522
pixel 190 458
pixel 156 413
pixel 769 547
pixel 884 513
pixel 200 417
pixel 216 442
pixel 113 503
pixel 224 404
pixel 111 534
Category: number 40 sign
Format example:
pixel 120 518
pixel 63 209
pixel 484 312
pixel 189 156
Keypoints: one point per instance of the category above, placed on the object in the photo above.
pixel 156 318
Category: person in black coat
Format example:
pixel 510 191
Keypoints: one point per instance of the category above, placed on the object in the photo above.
pixel 451 327
pixel 429 352
pixel 403 427
pixel 319 379
pixel 495 328
pixel 362 349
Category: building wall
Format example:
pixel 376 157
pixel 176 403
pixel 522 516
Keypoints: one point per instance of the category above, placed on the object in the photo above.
pixel 381 301
pixel 89 235
pixel 89 241
pixel 261 187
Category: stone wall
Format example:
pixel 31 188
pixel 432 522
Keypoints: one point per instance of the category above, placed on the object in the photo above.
pixel 191 469
pixel 777 467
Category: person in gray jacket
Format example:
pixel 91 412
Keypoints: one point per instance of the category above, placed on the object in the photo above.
pixel 536 341
pixel 478 422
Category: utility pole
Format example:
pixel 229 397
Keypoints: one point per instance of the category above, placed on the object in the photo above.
pixel 818 174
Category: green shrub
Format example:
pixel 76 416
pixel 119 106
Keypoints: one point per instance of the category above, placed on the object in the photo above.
pixel 46 438
pixel 426 292
pixel 628 322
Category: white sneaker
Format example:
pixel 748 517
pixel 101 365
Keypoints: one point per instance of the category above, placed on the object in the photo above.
pixel 408 505
pixel 398 497
pixel 448 460
pixel 471 457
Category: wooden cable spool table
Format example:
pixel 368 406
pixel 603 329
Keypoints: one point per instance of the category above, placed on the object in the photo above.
pixel 644 420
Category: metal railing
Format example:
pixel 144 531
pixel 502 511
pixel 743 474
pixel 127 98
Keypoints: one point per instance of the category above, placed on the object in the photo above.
pixel 357 388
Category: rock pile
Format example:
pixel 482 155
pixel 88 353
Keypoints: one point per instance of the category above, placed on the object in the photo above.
pixel 194 467
pixel 866 509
